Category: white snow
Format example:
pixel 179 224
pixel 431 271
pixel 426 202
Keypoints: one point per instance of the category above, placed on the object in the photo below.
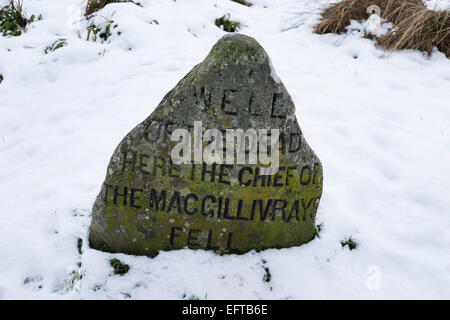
pixel 380 123
pixel 273 73
pixel 438 4
pixel 376 26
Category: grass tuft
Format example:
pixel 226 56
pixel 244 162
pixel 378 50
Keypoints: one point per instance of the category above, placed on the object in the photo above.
pixel 419 28
pixel 119 267
pixel 226 24
pixel 56 45
pixel 267 276
pixel 103 31
pixel 318 229
pixel 13 21
pixel 80 245
pixel 350 242
pixel 414 25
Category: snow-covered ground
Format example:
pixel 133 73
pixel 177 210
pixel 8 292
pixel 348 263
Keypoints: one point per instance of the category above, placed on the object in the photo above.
pixel 438 4
pixel 380 122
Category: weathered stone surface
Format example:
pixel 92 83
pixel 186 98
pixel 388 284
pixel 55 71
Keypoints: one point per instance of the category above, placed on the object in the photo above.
pixel 147 203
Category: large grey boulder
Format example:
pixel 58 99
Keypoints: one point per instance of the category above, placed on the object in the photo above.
pixel 147 203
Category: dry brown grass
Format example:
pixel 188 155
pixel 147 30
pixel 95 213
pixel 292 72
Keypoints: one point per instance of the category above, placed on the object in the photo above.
pixel 415 27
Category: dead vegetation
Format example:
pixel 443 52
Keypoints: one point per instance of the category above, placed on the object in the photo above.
pixel 414 25
pixel 243 2
pixel 93 6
